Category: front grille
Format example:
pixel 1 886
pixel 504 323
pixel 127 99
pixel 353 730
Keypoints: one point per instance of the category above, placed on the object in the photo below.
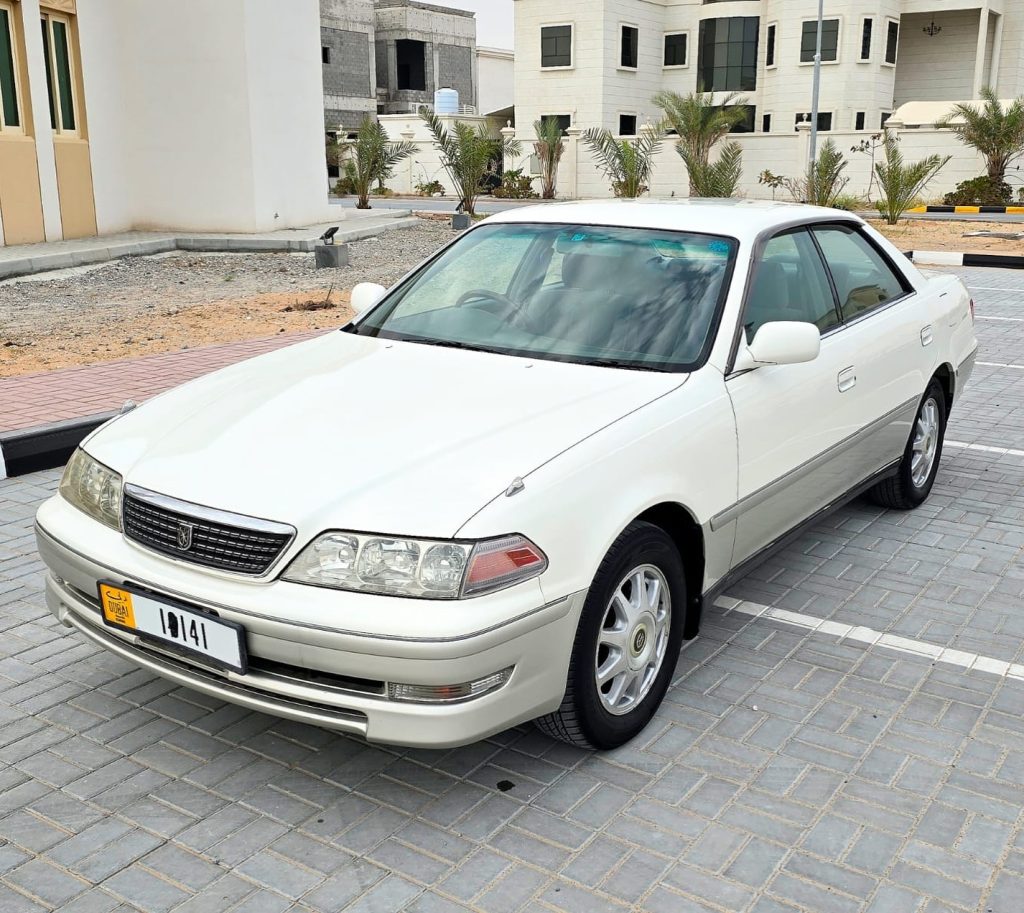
pixel 215 539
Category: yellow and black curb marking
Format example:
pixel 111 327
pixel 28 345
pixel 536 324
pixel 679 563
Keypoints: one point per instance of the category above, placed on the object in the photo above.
pixel 948 258
pixel 972 210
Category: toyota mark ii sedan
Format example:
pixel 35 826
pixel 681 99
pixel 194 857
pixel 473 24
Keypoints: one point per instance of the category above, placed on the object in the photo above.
pixel 506 489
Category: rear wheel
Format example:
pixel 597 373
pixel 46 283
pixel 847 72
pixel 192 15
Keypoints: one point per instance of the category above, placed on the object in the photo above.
pixel 913 481
pixel 626 645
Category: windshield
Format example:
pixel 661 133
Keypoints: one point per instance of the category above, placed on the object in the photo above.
pixel 624 297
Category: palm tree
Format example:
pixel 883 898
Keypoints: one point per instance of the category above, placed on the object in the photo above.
pixel 899 183
pixel 372 157
pixel 700 124
pixel 628 163
pixel 825 181
pixel 466 153
pixel 548 148
pixel 996 132
pixel 720 178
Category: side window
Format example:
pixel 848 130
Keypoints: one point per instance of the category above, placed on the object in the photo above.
pixel 790 283
pixel 864 280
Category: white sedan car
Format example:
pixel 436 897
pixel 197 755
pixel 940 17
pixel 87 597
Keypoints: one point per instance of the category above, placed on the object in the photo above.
pixel 506 489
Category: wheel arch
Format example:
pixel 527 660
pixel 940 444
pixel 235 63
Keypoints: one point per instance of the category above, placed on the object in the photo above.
pixel 946 377
pixel 684 530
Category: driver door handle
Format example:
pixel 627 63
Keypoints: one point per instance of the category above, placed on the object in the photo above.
pixel 847 379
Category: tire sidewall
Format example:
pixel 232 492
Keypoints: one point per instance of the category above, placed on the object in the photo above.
pixel 920 495
pixel 640 543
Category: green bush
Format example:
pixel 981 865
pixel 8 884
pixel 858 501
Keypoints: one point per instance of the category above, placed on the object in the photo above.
pixel 346 185
pixel 850 202
pixel 429 188
pixel 980 191
pixel 516 186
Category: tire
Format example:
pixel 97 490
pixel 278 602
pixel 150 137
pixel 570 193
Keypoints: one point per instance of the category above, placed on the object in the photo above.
pixel 608 715
pixel 904 491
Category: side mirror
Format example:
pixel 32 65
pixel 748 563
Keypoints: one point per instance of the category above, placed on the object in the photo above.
pixel 365 296
pixel 782 342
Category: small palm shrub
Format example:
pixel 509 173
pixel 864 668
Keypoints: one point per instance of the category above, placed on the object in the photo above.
pixel 627 163
pixel 901 183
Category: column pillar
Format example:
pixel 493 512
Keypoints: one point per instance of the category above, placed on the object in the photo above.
pixel 979 59
pixel 997 50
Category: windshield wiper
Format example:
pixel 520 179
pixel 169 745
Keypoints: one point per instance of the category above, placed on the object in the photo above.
pixel 631 365
pixel 443 343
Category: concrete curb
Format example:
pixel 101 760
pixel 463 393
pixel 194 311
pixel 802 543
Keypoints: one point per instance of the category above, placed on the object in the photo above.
pixel 44 262
pixel 949 258
pixel 971 210
pixel 45 446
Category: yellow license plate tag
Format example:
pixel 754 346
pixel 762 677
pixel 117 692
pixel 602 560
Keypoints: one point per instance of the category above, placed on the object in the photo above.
pixel 117 606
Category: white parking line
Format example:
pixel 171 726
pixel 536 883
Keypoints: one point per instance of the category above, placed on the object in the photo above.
pixel 1003 451
pixel 999 364
pixel 871 637
pixel 1007 319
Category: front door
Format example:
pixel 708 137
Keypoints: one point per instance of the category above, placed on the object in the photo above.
pixel 792 420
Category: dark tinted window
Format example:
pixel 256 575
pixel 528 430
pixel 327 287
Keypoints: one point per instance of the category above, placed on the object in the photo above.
pixel 892 40
pixel 769 57
pixel 630 46
pixel 627 125
pixel 675 50
pixel 8 84
pixel 727 54
pixel 766 123
pixel 865 39
pixel 564 120
pixel 556 46
pixel 829 40
pixel 790 283
pixel 858 123
pixel 863 278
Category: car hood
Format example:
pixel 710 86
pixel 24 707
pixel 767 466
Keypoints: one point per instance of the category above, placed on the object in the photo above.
pixel 367 434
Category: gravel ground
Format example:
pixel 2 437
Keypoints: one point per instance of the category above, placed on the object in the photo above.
pixel 174 301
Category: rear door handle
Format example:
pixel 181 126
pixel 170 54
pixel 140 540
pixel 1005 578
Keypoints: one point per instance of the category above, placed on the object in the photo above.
pixel 847 379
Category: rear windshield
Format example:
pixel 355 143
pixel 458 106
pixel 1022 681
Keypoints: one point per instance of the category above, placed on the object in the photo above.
pixel 622 297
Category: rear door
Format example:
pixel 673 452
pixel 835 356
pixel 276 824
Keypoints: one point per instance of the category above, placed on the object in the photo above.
pixel 887 323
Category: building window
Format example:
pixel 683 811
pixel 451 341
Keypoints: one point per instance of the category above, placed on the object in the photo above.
pixel 675 50
pixel 556 46
pixel 766 123
pixel 865 38
pixel 885 117
pixel 829 41
pixel 564 121
pixel 630 51
pixel 627 125
pixel 59 77
pixel 749 120
pixel 769 55
pixel 727 54
pixel 412 68
pixel 858 120
pixel 892 40
pixel 10 105
pixel 325 55
pixel 824 120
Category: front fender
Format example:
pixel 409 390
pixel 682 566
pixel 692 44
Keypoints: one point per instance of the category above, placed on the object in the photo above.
pixel 680 449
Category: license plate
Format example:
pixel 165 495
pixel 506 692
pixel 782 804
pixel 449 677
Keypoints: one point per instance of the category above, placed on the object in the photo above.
pixel 186 630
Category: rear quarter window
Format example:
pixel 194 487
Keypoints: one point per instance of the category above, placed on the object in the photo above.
pixel 863 278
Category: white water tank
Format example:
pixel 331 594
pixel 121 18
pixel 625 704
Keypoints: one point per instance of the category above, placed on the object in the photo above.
pixel 446 101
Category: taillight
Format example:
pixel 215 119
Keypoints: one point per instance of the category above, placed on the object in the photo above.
pixel 972 310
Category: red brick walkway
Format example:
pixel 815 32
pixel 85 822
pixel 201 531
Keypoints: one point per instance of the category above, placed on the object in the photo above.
pixel 38 399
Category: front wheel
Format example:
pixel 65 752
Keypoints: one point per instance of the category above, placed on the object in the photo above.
pixel 626 645
pixel 915 476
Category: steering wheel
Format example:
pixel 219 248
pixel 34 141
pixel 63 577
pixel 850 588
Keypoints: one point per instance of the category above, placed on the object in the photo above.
pixel 478 293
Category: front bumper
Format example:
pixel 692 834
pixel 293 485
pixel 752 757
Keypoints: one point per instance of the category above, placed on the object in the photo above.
pixel 319 675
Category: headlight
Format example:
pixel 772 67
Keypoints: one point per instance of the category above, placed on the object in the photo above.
pixel 416 567
pixel 93 489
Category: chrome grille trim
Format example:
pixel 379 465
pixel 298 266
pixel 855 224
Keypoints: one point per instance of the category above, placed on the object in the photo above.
pixel 219 539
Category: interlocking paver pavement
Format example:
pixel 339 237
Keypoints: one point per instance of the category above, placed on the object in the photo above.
pixel 788 770
pixel 38 399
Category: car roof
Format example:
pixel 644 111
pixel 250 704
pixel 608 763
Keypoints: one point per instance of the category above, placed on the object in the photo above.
pixel 744 220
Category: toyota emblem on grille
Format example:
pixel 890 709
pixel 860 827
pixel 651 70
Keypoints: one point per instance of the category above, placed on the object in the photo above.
pixel 185 535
